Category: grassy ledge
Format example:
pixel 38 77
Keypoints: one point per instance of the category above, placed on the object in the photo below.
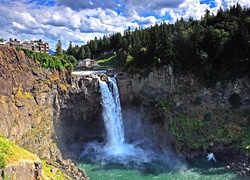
pixel 13 154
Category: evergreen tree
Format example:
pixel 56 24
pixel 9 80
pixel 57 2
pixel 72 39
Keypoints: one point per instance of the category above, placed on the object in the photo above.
pixel 70 49
pixel 81 53
pixel 59 50
pixel 214 48
pixel 92 46
pixel 115 41
pixel 87 52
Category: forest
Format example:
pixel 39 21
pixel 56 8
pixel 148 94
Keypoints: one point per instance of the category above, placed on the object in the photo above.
pixel 214 48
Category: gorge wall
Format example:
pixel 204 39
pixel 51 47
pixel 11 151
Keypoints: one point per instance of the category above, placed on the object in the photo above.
pixel 191 115
pixel 28 96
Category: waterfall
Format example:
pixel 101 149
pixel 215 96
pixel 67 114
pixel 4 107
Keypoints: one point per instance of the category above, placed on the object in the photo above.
pixel 112 115
pixel 115 149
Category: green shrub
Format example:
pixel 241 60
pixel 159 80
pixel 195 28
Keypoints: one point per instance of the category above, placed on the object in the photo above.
pixel 2 163
pixel 72 59
pixel 18 49
pixel 47 61
pixel 47 171
pixel 188 130
pixel 164 104
pixel 245 139
pixel 3 151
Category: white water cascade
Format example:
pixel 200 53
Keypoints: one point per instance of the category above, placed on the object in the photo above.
pixel 115 149
pixel 112 115
pixel 115 146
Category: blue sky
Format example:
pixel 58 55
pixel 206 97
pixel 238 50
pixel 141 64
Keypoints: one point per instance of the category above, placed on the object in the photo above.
pixel 81 20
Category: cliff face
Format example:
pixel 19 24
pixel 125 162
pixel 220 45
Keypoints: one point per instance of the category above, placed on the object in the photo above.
pixel 135 87
pixel 179 112
pixel 78 116
pixel 161 82
pixel 189 115
pixel 23 171
pixel 28 97
pixel 26 100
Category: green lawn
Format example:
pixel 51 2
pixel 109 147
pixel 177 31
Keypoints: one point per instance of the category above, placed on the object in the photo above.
pixel 108 61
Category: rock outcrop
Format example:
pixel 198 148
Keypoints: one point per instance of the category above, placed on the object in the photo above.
pixel 136 87
pixel 77 116
pixel 23 171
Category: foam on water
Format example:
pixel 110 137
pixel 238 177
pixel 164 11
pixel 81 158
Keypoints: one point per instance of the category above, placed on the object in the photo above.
pixel 85 73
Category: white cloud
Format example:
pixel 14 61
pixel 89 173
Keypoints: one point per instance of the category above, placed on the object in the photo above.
pixel 147 21
pixel 17 25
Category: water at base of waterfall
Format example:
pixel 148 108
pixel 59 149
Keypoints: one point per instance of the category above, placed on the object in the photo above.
pixel 198 169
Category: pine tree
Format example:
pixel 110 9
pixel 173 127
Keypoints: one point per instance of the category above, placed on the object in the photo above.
pixel 70 49
pixel 81 53
pixel 59 50
pixel 87 52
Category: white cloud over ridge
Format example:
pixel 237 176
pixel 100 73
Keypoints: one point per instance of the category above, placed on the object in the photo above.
pixel 81 20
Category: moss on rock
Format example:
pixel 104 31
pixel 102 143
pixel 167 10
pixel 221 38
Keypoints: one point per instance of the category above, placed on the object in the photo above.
pixel 12 154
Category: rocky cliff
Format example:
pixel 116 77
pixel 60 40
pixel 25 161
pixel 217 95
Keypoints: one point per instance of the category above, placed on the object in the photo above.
pixel 192 118
pixel 28 96
pixel 187 96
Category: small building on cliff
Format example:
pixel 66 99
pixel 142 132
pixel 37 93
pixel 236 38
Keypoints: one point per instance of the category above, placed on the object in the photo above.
pixel 86 63
pixel 37 45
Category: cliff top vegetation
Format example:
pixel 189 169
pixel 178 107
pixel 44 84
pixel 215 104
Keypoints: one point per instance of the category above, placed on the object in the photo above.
pixel 58 62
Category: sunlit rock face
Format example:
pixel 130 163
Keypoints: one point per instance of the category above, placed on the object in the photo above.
pixel 28 101
pixel 26 98
pixel 23 170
